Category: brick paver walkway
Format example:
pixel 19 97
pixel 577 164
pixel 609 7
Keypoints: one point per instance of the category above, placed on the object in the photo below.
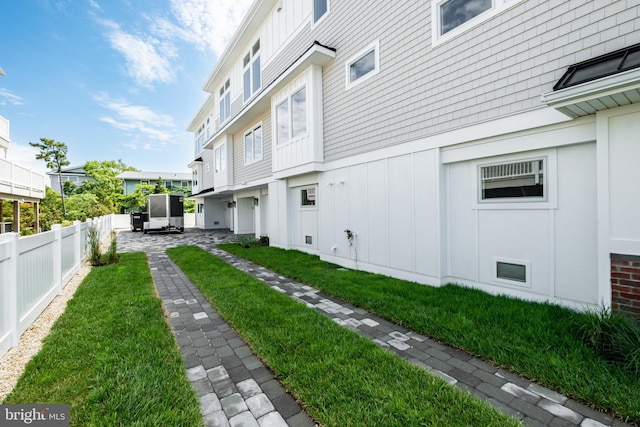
pixel 235 388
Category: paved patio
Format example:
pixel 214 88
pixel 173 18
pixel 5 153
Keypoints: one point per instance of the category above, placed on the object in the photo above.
pixel 236 389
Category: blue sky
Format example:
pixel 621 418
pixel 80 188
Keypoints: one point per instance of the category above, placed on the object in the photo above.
pixel 113 79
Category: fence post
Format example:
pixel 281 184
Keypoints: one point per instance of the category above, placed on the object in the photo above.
pixel 57 257
pixel 11 302
pixel 77 244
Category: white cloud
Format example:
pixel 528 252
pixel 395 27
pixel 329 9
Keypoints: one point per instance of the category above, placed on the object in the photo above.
pixel 9 98
pixel 207 24
pixel 204 24
pixel 148 59
pixel 136 120
pixel 25 156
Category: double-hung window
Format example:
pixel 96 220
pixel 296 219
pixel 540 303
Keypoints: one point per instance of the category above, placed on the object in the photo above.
pixel 220 156
pixel 363 65
pixel 251 73
pixel 253 145
pixel 291 117
pixel 225 101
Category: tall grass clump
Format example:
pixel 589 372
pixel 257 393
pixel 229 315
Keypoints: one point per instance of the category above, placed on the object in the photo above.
pixel 613 335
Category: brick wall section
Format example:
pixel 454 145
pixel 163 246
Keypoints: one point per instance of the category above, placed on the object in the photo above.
pixel 625 283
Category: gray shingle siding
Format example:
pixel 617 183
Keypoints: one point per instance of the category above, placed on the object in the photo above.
pixel 259 169
pixel 498 68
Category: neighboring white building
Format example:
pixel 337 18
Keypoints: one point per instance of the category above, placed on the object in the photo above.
pixel 17 184
pixel 492 146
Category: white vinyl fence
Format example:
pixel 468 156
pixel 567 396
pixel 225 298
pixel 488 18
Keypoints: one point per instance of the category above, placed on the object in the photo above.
pixel 34 269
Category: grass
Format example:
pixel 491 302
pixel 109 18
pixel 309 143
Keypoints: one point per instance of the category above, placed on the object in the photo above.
pixel 341 378
pixel 111 356
pixel 539 341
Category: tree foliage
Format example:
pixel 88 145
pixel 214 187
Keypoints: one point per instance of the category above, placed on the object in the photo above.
pixel 54 153
pixel 104 185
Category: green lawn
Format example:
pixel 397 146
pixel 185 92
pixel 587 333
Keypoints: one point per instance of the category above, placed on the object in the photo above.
pixel 341 378
pixel 539 341
pixel 111 356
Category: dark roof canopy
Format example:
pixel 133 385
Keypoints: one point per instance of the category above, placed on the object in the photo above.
pixel 601 66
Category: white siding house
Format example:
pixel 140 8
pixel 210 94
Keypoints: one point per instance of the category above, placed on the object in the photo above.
pixel 490 147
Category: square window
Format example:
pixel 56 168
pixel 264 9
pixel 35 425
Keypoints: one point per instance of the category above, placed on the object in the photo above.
pixel 308 196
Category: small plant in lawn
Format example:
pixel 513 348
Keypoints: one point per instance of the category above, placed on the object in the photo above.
pixel 613 335
pixel 96 258
pixel 247 241
pixel 95 254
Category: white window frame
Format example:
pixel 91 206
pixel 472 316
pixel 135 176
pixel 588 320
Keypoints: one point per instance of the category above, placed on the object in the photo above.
pixel 254 56
pixel 550 176
pixel 224 101
pixel 251 131
pixel 375 47
pixel 315 197
pixel 319 19
pixel 289 102
pixel 506 281
pixel 497 6
pixel 220 158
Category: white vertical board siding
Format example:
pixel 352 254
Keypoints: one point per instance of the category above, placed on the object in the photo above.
pixel 624 185
pixel 576 224
pixel 426 170
pixel 378 213
pixel 521 235
pixel 401 222
pixel 461 225
pixel 556 241
pixel 359 211
pixel 341 212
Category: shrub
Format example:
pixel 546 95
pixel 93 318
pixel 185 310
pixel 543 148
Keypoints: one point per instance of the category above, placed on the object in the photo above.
pixel 94 245
pixel 96 257
pixel 613 335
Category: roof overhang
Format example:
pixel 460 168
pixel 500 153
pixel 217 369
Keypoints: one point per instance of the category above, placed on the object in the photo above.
pixel 602 94
pixel 606 81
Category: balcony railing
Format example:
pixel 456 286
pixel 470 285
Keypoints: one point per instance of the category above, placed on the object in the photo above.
pixel 4 132
pixel 18 181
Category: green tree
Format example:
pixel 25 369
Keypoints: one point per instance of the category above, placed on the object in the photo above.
pixel 55 154
pixel 160 188
pixel 105 185
pixel 137 201
pixel 85 205
pixel 50 210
